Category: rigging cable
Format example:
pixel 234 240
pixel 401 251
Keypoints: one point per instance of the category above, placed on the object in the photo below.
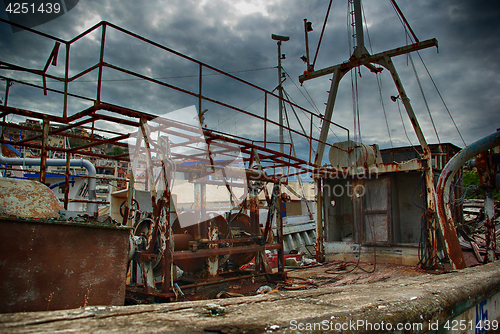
pixel 295 153
pixel 404 128
pixel 355 106
pixel 379 81
pixel 441 97
pixel 162 78
pixel 413 38
pixel 312 104
pixel 310 100
pixel 425 99
pixel 321 36
pixel 354 77
pixel 237 112
pixel 296 116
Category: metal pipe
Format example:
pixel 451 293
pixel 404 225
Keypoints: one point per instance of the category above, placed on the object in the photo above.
pixel 443 195
pixel 91 207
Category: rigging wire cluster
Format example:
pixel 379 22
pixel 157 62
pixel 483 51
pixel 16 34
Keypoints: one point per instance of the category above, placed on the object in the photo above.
pixel 411 35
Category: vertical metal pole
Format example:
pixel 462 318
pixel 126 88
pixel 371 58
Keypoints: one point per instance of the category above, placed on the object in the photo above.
pixel 212 261
pixel 360 40
pixel 279 227
pixel 310 138
pixel 254 218
pixel 166 235
pixel 101 59
pixel 254 209
pixel 131 182
pixel 200 208
pixel 307 44
pixel 199 93
pixel 265 119
pixel 66 78
pixel 8 83
pixel 200 199
pixel 66 184
pixel 319 221
pixel 115 182
pixel 45 139
pixel 280 115
pixel 7 88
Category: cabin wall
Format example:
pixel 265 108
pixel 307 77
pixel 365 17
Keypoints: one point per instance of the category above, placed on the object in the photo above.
pixel 377 210
pixel 407 194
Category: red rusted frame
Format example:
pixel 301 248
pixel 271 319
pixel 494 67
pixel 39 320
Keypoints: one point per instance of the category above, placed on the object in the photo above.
pixel 101 64
pixel 60 149
pixel 228 241
pixel 184 255
pixel 96 141
pixel 219 142
pixel 131 113
pixel 99 142
pixel 48 89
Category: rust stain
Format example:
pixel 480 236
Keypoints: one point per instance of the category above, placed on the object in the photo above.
pixel 55 265
pixel 27 199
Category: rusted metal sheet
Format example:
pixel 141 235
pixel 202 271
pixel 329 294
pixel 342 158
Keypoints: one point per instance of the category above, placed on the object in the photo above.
pixel 48 265
pixel 27 199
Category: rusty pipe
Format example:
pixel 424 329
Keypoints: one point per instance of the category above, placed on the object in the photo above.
pixel 446 223
pixel 92 207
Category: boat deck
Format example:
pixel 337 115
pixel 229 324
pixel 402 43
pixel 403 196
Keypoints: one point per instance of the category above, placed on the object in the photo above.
pixel 349 302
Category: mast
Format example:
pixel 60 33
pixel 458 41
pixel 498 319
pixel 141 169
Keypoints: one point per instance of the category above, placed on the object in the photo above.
pixel 361 57
pixel 280 39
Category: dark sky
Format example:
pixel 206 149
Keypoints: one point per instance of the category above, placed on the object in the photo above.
pixel 235 36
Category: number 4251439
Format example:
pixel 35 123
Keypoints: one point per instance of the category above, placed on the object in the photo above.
pixel 26 7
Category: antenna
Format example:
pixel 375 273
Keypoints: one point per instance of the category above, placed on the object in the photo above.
pixel 280 39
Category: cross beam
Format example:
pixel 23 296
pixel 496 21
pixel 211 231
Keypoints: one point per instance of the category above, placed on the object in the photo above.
pixel 367 59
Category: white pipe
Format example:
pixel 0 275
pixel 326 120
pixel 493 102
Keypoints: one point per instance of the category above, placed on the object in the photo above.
pixel 91 207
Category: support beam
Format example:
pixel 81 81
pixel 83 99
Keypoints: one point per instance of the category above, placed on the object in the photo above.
pixel 428 172
pixel 354 61
pixel 332 97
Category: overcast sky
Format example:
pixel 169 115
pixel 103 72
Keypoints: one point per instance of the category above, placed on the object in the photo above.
pixel 235 36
